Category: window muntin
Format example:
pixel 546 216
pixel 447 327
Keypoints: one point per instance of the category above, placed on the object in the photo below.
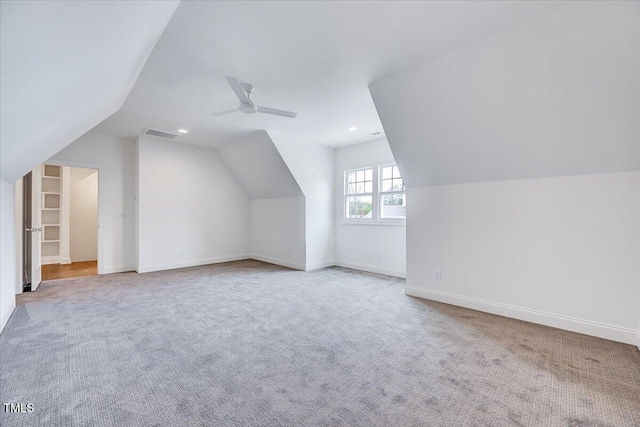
pixel 359 193
pixel 392 195
pixel 374 194
pixel 359 181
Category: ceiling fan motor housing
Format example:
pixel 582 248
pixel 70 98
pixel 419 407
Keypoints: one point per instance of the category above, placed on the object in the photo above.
pixel 243 92
pixel 247 87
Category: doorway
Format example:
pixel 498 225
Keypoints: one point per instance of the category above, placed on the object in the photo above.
pixel 77 230
pixel 60 214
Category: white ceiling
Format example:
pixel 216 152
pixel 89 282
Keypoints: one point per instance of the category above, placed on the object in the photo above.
pixel 315 58
pixel 258 167
pixel 559 95
pixel 65 66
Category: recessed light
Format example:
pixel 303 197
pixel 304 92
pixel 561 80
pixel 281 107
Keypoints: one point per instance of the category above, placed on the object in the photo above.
pixel 352 128
pixel 183 131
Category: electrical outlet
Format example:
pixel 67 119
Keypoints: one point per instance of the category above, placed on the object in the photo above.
pixel 119 216
pixel 181 251
pixel 370 254
pixel 379 255
pixel 437 274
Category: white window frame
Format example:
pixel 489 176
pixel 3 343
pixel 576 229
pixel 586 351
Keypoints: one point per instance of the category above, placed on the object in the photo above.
pixel 381 194
pixel 347 195
pixel 376 205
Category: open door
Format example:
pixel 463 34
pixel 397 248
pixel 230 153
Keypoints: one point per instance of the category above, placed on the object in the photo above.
pixel 36 227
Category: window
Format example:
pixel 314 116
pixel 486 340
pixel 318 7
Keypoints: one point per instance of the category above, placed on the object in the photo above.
pixel 359 193
pixel 372 195
pixel 393 198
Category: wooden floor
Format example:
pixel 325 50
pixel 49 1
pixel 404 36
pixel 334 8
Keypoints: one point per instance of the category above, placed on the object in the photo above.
pixel 75 269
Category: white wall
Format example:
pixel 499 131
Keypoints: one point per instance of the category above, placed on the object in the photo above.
pixel 277 202
pixel 83 218
pixel 65 216
pixel 313 167
pixel 556 96
pixel 115 159
pixel 188 200
pixel 357 243
pixel 558 251
pixel 278 231
pixel 7 247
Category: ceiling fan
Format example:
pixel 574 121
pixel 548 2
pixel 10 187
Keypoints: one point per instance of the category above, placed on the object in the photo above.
pixel 243 91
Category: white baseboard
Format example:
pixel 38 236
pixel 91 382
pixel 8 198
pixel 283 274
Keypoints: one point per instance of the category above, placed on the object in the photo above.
pixel 387 271
pixel 110 269
pixel 614 333
pixel 147 268
pixel 5 316
pixel 65 260
pixel 278 261
pixel 319 265
pixel 51 259
pixel 638 340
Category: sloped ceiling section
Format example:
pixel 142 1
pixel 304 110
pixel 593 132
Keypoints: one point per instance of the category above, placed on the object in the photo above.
pixel 316 58
pixel 258 167
pixel 65 67
pixel 558 95
pixel 311 164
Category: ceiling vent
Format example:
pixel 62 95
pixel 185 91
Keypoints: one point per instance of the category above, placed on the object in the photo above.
pixel 159 134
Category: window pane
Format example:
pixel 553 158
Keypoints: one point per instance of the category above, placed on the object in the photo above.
pixel 396 172
pixel 368 187
pixel 387 184
pixel 359 188
pixel 393 206
pixel 386 172
pixel 398 185
pixel 359 207
pixel 359 181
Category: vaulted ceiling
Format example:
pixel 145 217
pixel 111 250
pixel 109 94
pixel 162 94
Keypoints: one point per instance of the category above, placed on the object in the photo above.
pixel 258 167
pixel 558 95
pixel 314 58
pixel 65 66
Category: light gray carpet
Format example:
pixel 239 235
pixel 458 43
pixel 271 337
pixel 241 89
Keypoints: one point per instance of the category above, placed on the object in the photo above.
pixel 251 344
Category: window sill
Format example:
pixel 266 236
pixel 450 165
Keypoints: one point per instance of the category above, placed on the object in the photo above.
pixel 384 222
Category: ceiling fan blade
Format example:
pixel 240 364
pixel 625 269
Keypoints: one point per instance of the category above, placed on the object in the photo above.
pixel 276 112
pixel 237 88
pixel 222 113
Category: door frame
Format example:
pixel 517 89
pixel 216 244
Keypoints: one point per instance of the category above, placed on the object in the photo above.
pixel 19 227
pixel 101 191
